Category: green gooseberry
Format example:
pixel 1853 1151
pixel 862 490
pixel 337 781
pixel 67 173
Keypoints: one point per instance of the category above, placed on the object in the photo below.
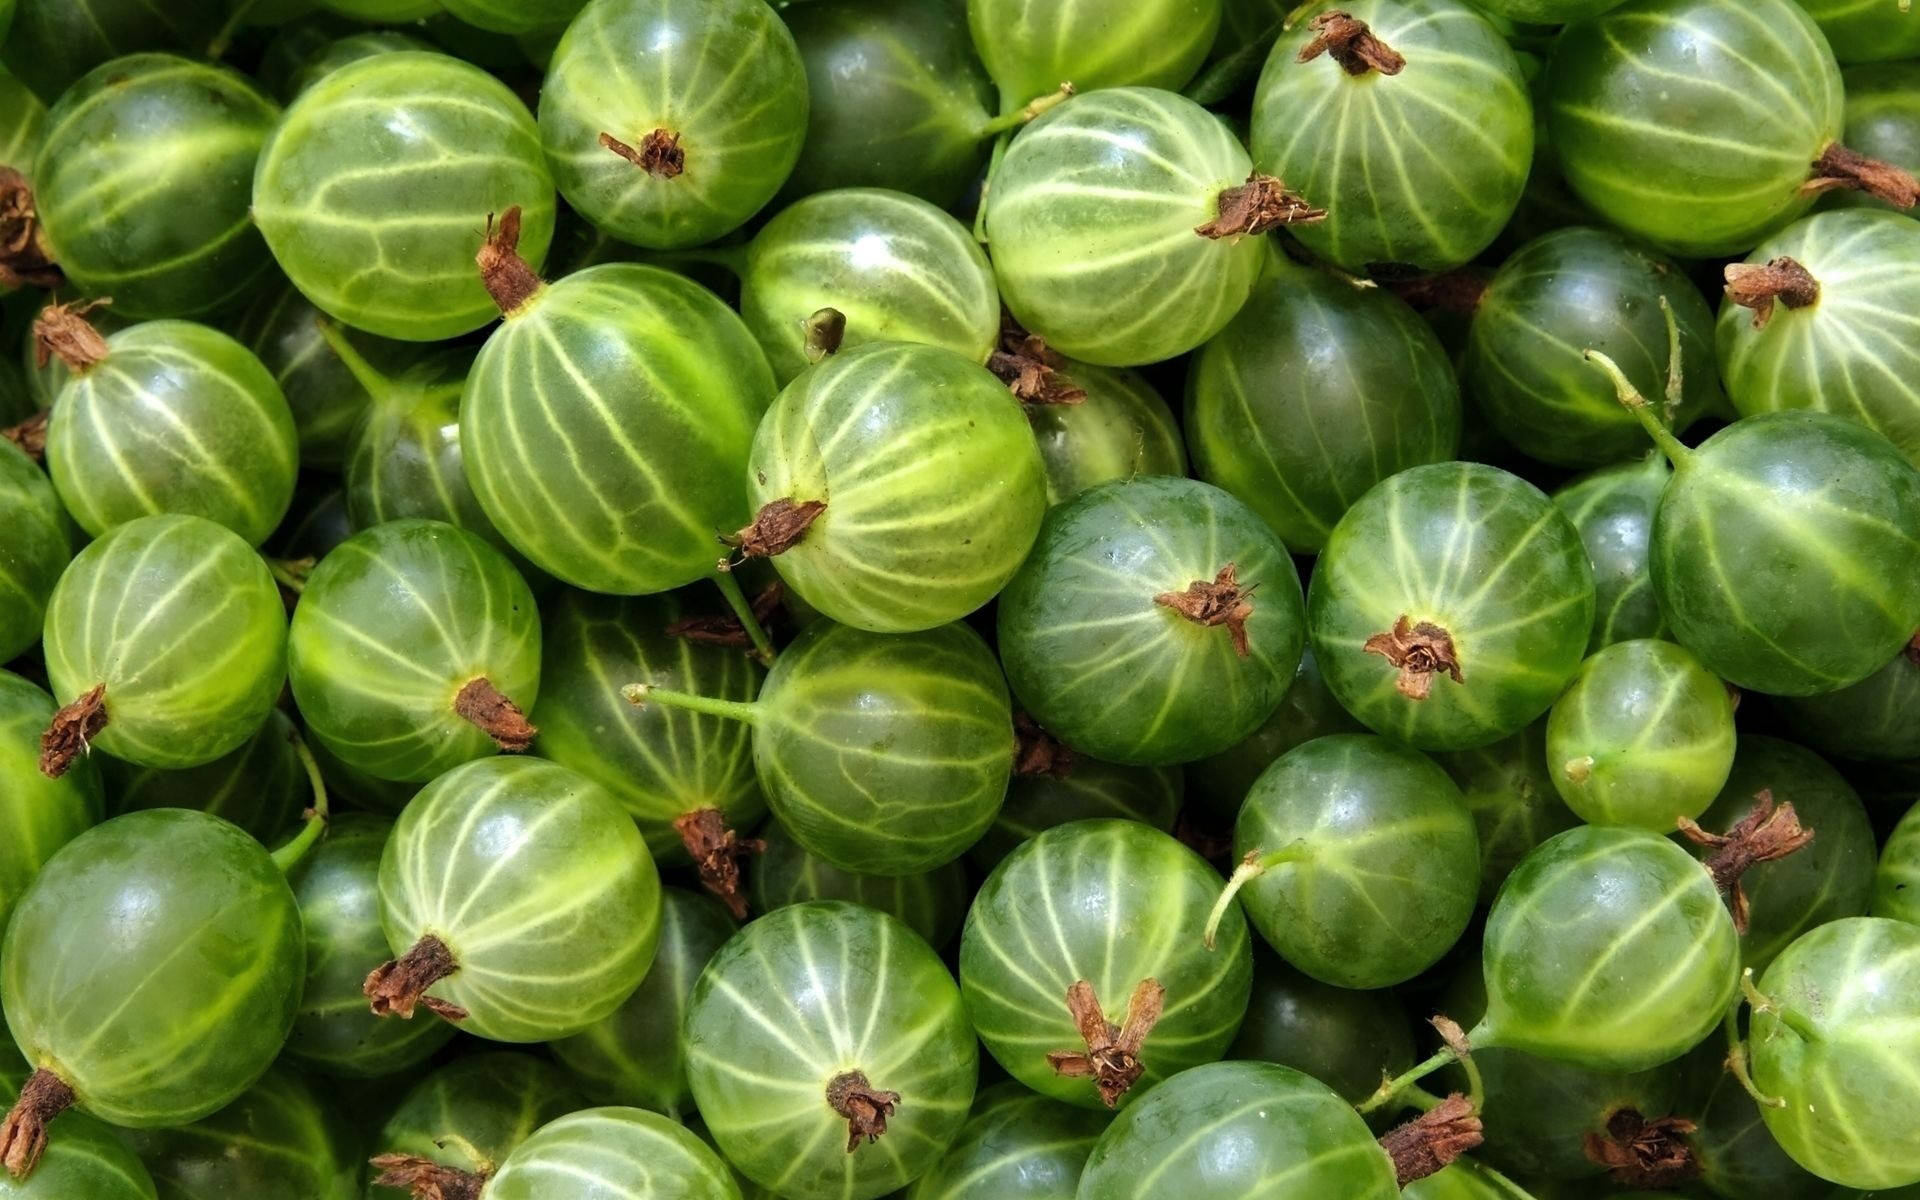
pixel 896 487
pixel 284 331
pixel 1240 1130
pixel 1346 1039
pixel 1508 789
pixel 1797 885
pixel 1359 862
pixel 143 182
pixel 1194 589
pixel 168 416
pixel 1642 736
pixel 86 1158
pixel 1052 785
pixel 383 12
pixel 1608 948
pixel 894 266
pixel 896 99
pixel 1896 884
pixel 1031 47
pixel 1554 1120
pixel 1869 721
pixel 262 787
pixel 373 189
pixel 606 359
pixel 37 815
pixel 409 647
pixel 334 53
pixel 1411 128
pixel 522 895
pixel 884 754
pixel 1699 154
pixel 931 903
pixel 671 122
pixel 1883 122
pixel 1837 339
pixel 613 1152
pixel 1867 32
pixel 514 16
pixel 1467 1180
pixel 1582 289
pixel 1730 1149
pixel 1014 1146
pixel 338 889
pixel 1612 509
pixel 1835 1031
pixel 1118 225
pixel 472 1113
pixel 1318 390
pixel 1219 783
pixel 633 1055
pixel 835 1002
pixel 278 1141
pixel 1547 12
pixel 1451 605
pixel 54 42
pixel 23 122
pixel 166 644
pixel 1119 429
pixel 36 544
pixel 150 974
pixel 1084 923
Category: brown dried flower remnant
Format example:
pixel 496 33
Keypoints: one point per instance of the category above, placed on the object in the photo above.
pixel 1112 1056
pixel 1260 204
pixel 1767 833
pixel 1352 44
pixel 659 153
pixel 1638 1153
pixel 1421 651
pixel 1758 285
pixel 865 1108
pixel 1219 602
pixel 778 527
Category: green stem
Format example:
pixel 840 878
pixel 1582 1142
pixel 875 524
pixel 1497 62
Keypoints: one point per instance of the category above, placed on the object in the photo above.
pixel 642 694
pixel 1391 1090
pixel 371 379
pixel 1676 368
pixel 1026 113
pixel 1737 1059
pixel 1792 1019
pixel 1252 867
pixel 742 609
pixel 223 40
pixel 1417 1097
pixel 288 856
pixel 986 188
pixel 1499 1181
pixel 1676 451
pixel 291 573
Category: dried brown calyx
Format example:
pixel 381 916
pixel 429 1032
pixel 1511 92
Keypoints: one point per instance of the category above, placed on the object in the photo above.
pixel 481 704
pixel 25 258
pixel 62 331
pixel 72 729
pixel 400 985
pixel 508 278
pixel 1458 291
pixel 778 527
pixel 725 629
pixel 23 1136
pixel 425 1179
pixel 1036 752
pixel 865 1108
pixel 1839 167
pixel 1260 204
pixel 658 154
pixel 1432 1141
pixel 30 435
pixel 1642 1154
pixel 1913 650
pixel 1112 1056
pixel 1421 650
pixel 822 334
pixel 1219 601
pixel 1758 285
pixel 1030 368
pixel 717 853
pixel 1768 833
pixel 1351 44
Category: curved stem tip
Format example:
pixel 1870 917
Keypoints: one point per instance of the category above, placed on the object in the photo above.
pixel 397 986
pixel 1112 1055
pixel 865 1109
pixel 72 731
pixel 1420 650
pixel 288 856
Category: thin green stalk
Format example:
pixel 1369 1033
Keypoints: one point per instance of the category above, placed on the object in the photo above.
pixel 1416 1097
pixel 373 381
pixel 642 694
pixel 1027 112
pixel 986 187
pixel 1252 867
pixel 1499 1181
pixel 1391 1090
pixel 291 573
pixel 1791 1018
pixel 1676 451
pixel 223 40
pixel 742 609
pixel 1737 1059
pixel 289 856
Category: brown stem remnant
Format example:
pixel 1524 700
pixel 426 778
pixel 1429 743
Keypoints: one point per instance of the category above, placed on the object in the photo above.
pixel 1260 204
pixel 72 729
pixel 725 629
pixel 1351 44
pixel 1112 1056
pixel 1036 752
pixel 658 154
pixel 1642 1154
pixel 1030 368
pixel 822 334
pixel 1431 1142
pixel 1221 601
pixel 507 277
pixel 426 1179
pixel 1839 167
pixel 717 853
pixel 62 331
pixel 865 1109
pixel 1913 650
pixel 1421 651
pixel 1758 285
pixel 1767 833
pixel 481 704
pixel 397 986
pixel 23 1136
pixel 30 435
pixel 25 258
pixel 778 527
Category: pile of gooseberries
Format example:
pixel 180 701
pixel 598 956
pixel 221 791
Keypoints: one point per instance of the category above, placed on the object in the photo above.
pixel 959 599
